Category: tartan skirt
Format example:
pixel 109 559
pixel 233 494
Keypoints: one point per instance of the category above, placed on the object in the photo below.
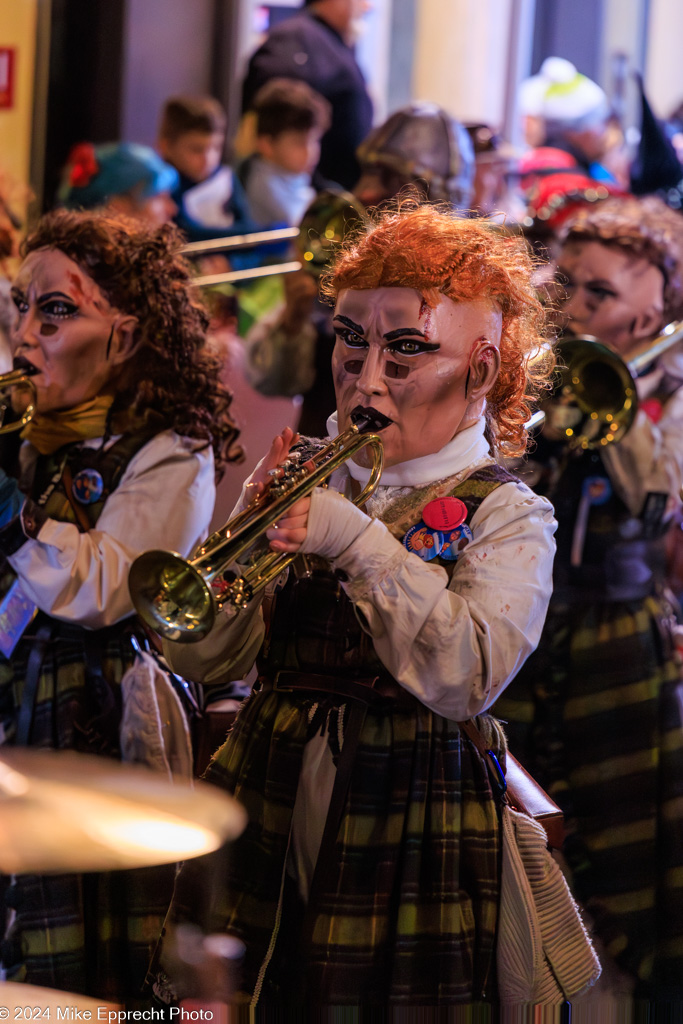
pixel 407 909
pixel 87 933
pixel 596 717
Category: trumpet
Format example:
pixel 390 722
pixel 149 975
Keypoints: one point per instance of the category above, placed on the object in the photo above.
pixel 179 598
pixel 595 400
pixel 17 379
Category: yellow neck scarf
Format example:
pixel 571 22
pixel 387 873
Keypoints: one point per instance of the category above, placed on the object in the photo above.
pixel 52 430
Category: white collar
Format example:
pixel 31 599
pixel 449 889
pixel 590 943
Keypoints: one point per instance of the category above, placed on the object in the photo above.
pixel 468 446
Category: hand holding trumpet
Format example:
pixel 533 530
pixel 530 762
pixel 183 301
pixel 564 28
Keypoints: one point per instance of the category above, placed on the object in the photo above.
pixel 290 531
pixel 335 524
pixel 179 598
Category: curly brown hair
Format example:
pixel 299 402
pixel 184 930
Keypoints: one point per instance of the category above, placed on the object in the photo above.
pixel 436 254
pixel 645 228
pixel 140 270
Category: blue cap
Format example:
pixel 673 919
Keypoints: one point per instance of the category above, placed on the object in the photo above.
pixel 96 173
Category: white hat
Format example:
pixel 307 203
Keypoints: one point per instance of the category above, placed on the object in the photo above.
pixel 563 96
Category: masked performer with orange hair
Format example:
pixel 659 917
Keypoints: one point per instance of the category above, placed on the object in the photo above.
pixel 369 871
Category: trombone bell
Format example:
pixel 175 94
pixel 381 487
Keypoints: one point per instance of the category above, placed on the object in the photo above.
pixel 595 399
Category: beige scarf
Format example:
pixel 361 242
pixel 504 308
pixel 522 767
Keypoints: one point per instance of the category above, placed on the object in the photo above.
pixel 49 431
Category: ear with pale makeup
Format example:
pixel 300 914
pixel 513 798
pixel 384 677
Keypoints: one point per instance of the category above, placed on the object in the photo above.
pixel 646 324
pixel 483 370
pixel 124 340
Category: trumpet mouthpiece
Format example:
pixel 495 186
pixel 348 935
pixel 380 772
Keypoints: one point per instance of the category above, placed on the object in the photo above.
pixel 22 365
pixel 369 420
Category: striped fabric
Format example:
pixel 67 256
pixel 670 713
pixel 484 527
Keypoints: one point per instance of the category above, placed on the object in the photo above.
pixel 84 933
pixel 594 716
pixel 407 913
pixel 94 933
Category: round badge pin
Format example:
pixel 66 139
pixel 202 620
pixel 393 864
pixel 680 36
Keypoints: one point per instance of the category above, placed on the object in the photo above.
pixel 445 513
pixel 454 542
pixel 423 542
pixel 597 489
pixel 88 487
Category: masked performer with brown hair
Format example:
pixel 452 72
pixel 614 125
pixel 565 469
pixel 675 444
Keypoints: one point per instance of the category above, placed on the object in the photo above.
pixel 594 714
pixel 130 425
pixel 369 871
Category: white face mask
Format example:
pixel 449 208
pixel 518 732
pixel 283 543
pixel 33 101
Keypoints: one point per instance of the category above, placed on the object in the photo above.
pixel 426 369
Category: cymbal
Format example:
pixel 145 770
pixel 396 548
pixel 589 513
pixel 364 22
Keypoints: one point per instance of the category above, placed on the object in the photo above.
pixel 61 811
pixel 15 995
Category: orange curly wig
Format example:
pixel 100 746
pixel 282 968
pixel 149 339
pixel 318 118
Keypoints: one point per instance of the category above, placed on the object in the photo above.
pixel 436 254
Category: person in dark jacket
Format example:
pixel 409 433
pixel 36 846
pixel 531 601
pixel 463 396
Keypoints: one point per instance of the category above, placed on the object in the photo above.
pixel 315 46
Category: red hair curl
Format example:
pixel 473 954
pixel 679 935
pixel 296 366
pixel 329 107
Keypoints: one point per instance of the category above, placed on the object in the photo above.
pixel 466 260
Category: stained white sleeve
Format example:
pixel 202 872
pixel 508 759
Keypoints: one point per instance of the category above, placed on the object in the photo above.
pixel 649 457
pixel 456 646
pixel 164 500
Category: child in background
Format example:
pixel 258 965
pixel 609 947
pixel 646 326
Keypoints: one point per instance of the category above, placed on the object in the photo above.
pixel 291 119
pixel 210 199
pixel 122 178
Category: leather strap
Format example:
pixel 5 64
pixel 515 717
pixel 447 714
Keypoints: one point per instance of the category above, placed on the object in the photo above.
pixel 377 691
pixel 28 699
pixel 516 787
pixel 78 510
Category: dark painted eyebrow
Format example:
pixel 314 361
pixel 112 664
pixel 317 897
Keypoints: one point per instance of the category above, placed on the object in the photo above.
pixel 403 332
pixel 42 298
pixel 55 295
pixel 349 323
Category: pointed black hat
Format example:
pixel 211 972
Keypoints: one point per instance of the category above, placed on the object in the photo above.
pixel 655 168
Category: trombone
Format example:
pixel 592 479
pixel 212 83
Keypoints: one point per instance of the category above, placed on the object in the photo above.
pixel 179 598
pixel 326 222
pixel 17 379
pixel 595 401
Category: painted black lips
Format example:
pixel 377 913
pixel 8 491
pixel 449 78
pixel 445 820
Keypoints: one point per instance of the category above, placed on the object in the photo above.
pixel 369 420
pixel 20 363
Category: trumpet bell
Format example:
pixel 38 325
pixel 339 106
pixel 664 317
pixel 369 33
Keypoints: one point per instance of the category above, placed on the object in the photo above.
pixel 20 380
pixel 171 596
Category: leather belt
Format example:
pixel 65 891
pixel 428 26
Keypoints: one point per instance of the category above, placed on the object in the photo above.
pixel 375 691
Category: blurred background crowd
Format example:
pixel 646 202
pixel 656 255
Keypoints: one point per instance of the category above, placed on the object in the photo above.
pixel 229 118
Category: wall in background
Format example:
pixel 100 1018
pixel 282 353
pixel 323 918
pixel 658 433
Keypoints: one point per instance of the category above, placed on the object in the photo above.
pixel 663 76
pixel 167 49
pixel 461 56
pixel 18 31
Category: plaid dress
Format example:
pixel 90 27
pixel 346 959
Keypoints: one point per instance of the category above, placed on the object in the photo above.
pixel 404 911
pixel 594 715
pixel 90 933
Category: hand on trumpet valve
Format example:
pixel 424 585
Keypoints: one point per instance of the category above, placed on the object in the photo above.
pixel 262 475
pixel 290 532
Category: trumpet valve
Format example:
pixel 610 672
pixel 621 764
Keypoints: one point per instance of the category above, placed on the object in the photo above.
pixel 284 477
pixel 236 592
pixel 240 593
